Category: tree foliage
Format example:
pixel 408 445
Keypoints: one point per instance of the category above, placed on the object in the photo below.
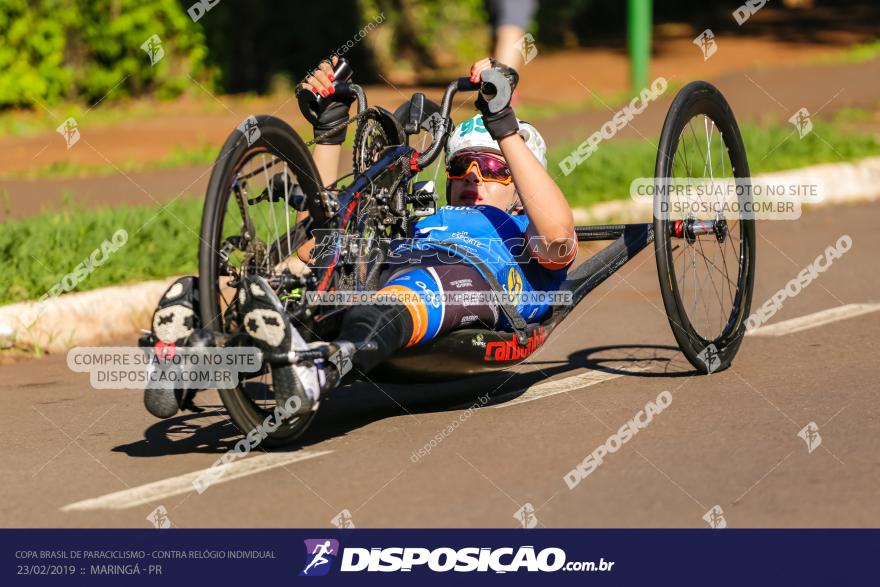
pixel 91 50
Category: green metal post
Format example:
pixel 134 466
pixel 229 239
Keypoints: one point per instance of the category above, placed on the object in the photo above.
pixel 638 32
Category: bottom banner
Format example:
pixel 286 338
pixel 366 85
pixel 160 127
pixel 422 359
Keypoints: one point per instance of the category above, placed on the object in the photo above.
pixel 356 556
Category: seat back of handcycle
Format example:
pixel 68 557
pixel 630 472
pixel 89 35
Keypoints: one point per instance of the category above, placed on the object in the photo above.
pixel 464 352
pixel 472 351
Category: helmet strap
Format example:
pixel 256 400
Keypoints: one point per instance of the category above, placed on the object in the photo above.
pixel 516 203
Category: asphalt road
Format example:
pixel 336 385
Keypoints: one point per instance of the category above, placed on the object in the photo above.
pixel 729 439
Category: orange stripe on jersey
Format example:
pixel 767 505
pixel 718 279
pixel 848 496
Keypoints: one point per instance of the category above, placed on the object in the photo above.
pixel 418 311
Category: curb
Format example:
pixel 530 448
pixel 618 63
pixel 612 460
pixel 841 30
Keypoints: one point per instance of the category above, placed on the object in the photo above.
pixel 80 319
pixel 109 314
pixel 843 183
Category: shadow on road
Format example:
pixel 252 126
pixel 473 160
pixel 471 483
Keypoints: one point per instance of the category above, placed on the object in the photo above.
pixel 354 406
pixel 644 360
pixel 210 431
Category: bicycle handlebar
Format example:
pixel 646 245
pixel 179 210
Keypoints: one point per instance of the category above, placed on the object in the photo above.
pixel 495 89
pixel 311 103
pixel 493 86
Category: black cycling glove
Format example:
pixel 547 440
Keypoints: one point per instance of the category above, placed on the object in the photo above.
pixel 333 116
pixel 502 123
pixel 327 115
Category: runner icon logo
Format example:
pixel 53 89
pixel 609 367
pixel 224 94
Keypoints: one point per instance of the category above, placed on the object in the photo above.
pixel 527 48
pixel 153 48
pixel 320 554
pixel 801 121
pixel 250 129
pixel 70 131
pixel 159 518
pixel 715 518
pixel 709 356
pixel 706 42
pixel 526 516
pixel 343 520
pixel 810 435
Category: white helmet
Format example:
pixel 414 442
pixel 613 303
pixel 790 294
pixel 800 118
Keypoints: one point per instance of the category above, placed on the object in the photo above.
pixel 472 134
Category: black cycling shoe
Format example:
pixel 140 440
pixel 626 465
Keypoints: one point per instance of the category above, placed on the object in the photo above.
pixel 175 319
pixel 296 387
pixel 176 316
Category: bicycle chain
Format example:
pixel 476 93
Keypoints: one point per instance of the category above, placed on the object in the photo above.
pixel 336 127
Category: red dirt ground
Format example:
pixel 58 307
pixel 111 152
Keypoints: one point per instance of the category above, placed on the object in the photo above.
pixel 758 74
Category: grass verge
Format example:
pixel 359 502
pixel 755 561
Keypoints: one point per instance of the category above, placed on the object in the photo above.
pixel 41 250
pixel 607 174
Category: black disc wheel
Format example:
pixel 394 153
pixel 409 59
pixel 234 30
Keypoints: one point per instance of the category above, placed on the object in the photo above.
pixel 704 243
pixel 262 176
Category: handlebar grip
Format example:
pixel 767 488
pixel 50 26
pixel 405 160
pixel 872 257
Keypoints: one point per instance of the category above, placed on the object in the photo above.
pixel 493 86
pixel 343 71
pixel 311 104
pixel 495 89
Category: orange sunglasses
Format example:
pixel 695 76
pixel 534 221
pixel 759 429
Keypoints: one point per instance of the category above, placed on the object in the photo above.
pixel 489 167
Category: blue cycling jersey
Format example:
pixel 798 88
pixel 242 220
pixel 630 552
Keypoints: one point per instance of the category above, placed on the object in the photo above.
pixel 499 240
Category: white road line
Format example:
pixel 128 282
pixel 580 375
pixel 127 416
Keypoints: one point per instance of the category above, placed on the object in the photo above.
pixel 548 388
pixel 184 483
pixel 814 320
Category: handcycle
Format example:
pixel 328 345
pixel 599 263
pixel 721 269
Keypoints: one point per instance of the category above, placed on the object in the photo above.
pixel 265 201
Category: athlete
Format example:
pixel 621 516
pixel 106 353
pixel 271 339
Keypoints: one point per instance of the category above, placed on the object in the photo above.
pixel 507 226
pixel 319 552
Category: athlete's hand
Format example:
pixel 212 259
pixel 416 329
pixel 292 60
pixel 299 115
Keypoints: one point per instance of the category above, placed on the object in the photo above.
pixel 334 109
pixel 502 123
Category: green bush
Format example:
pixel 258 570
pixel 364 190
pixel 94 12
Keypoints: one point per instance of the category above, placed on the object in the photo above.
pixel 88 49
pixel 32 51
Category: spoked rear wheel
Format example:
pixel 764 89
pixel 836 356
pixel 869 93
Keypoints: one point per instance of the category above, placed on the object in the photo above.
pixel 249 226
pixel 705 250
